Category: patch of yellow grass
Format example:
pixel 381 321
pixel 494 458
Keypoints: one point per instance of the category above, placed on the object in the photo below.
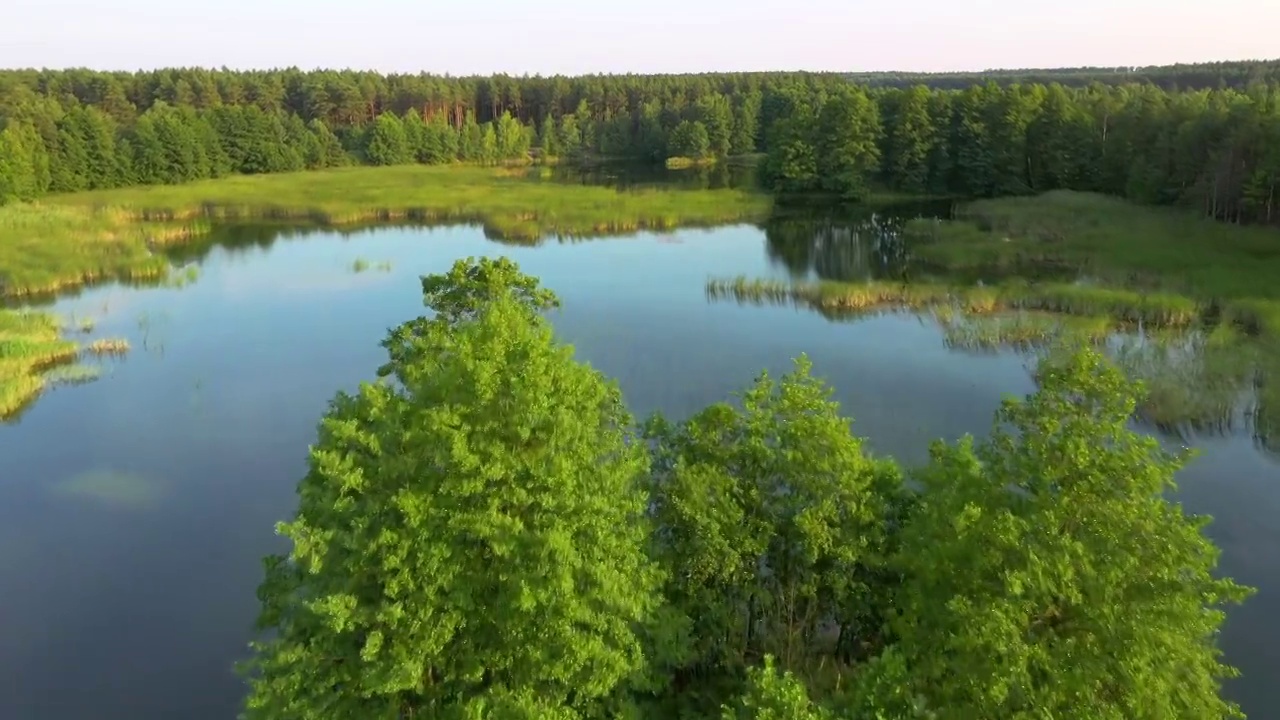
pixel 108 346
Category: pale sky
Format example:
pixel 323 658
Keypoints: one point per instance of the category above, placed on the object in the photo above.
pixel 644 36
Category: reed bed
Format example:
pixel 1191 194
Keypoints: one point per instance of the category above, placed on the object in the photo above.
pixel 1153 310
pixel 47 248
pixel 30 343
pixel 1022 331
pixel 108 346
pixel 1162 248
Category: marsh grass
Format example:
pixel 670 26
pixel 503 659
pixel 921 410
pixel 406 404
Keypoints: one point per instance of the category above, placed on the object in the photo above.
pixel 362 265
pixel 1154 310
pixel 30 344
pixel 73 239
pixel 1120 242
pixel 47 247
pixel 108 346
pixel 1021 331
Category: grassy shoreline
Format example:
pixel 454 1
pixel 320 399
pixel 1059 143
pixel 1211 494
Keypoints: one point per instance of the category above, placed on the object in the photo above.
pixel 36 354
pixel 1112 240
pixel 65 241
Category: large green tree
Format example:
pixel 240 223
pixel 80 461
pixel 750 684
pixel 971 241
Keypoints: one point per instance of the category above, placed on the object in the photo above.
pixel 388 144
pixel 1048 573
pixel 772 521
pixel 469 539
pixel 847 144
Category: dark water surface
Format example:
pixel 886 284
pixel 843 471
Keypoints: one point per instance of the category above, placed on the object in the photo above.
pixel 134 510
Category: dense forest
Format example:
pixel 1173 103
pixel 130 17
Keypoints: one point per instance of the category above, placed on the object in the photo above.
pixel 1215 149
pixel 1238 74
pixel 485 533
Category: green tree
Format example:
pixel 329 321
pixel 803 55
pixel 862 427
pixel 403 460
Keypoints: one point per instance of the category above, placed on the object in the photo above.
pixel 689 139
pixel 331 152
pixel 387 143
pixel 511 138
pixel 415 135
pixel 440 141
pixel 570 135
pixel 548 137
pixel 69 161
pixel 470 139
pixel 848 153
pixel 910 136
pixel 468 541
pixel 716 113
pixel 1047 573
pixel 774 695
pixel 1064 146
pixel 791 160
pixel 487 151
pixel 771 521
pixel 24 163
pixel 168 145
pixel 746 117
pixel 98 131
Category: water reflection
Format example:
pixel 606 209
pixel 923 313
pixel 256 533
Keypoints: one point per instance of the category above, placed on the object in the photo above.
pixel 855 243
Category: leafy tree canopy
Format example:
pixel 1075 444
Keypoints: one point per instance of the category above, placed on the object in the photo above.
pixel 483 533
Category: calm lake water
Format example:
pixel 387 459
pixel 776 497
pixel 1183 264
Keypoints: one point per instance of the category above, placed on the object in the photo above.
pixel 134 510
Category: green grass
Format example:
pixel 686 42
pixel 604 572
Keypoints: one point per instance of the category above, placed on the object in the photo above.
pixel 30 343
pixel 48 247
pixel 69 240
pixel 1107 238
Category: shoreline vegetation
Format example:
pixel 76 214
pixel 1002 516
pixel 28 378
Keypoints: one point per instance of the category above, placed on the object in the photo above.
pixel 65 241
pixel 36 355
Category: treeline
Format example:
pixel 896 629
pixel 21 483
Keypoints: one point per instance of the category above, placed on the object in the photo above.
pixel 486 534
pixel 1238 75
pixel 71 130
pixel 1218 150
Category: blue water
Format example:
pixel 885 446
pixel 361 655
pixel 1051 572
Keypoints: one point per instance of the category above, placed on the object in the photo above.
pixel 134 510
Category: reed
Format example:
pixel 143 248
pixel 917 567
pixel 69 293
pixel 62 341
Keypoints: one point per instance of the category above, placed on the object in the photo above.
pixel 1154 310
pixel 1021 331
pixel 108 346
pixel 30 343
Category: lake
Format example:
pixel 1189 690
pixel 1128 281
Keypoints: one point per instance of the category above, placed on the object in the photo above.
pixel 134 510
